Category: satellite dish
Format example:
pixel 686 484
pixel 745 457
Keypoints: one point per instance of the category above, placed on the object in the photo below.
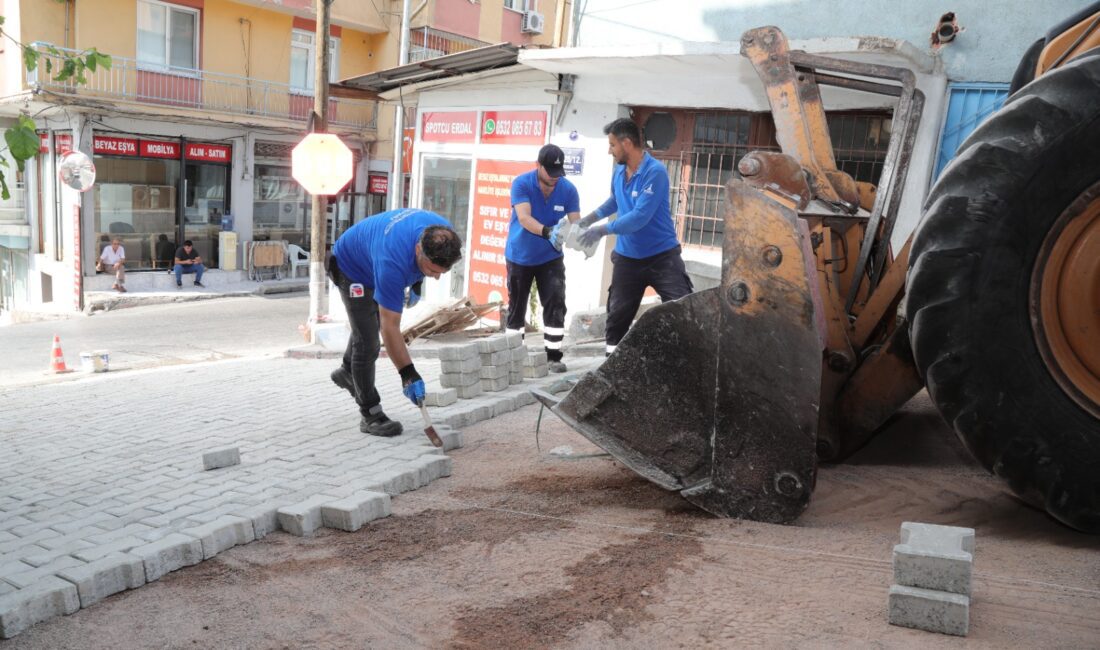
pixel 76 171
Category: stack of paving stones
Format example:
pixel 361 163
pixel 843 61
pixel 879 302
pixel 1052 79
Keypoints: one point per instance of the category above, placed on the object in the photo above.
pixel 460 369
pixel 69 573
pixel 932 568
pixel 535 365
pixel 496 360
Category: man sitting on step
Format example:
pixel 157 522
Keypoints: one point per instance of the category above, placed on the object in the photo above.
pixel 188 261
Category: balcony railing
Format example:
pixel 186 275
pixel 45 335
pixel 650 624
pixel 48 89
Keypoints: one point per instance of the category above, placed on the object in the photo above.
pixel 427 43
pixel 127 80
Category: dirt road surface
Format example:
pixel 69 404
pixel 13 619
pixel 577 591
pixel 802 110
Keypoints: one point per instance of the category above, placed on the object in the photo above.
pixel 525 549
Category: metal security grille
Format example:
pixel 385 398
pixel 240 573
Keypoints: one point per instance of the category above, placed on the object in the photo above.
pixel 968 106
pixel 719 140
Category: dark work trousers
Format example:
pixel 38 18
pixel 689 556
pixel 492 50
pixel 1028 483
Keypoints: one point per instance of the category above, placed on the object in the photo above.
pixel 664 272
pixel 363 345
pixel 550 281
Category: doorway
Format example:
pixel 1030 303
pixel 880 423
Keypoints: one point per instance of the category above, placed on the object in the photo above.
pixel 445 190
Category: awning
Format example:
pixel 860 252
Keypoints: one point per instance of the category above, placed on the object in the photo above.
pixel 440 67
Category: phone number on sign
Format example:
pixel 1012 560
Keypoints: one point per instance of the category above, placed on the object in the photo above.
pixel 521 127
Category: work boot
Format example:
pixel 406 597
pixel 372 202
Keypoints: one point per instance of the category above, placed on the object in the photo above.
pixel 377 424
pixel 342 378
pixel 557 367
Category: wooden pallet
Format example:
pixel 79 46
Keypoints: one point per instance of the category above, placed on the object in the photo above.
pixel 450 318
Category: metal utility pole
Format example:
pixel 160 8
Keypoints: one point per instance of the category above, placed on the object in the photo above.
pixel 397 178
pixel 318 237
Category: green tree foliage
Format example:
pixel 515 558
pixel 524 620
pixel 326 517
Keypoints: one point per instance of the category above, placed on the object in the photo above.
pixel 21 139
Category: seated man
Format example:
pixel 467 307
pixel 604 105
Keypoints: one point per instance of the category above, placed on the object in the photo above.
pixel 113 258
pixel 188 261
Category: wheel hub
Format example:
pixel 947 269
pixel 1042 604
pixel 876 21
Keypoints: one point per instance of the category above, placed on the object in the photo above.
pixel 1065 300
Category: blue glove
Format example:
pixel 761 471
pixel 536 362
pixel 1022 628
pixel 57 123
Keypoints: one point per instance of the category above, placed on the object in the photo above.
pixel 556 239
pixel 592 235
pixel 412 385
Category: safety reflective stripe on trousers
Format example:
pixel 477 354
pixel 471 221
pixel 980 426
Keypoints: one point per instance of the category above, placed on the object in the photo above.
pixel 517 331
pixel 552 345
pixel 553 331
pixel 610 349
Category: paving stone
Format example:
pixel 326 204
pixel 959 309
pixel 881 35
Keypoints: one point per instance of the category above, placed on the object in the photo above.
pixel 448 380
pixel 458 352
pixel 934 557
pixel 221 534
pixel 303 518
pixel 350 513
pixel 102 550
pixel 264 518
pixel 930 610
pixel 464 366
pixel 471 391
pixel 535 359
pixel 39 555
pixel 41 601
pixel 441 397
pixel 494 372
pixel 218 458
pixel 165 555
pixel 535 372
pixel 513 339
pixel 515 377
pixel 498 358
pixel 524 399
pixel 494 385
pixel 15 567
pixel 29 577
pixel 106 576
pixel 491 344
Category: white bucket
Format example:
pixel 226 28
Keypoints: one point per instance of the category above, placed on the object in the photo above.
pixel 95 361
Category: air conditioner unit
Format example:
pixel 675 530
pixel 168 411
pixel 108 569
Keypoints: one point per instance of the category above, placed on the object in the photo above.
pixel 533 23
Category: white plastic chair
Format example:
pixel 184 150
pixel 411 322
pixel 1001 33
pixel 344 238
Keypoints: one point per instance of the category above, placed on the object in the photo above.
pixel 298 257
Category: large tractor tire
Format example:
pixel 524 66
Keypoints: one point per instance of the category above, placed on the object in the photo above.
pixel 1003 294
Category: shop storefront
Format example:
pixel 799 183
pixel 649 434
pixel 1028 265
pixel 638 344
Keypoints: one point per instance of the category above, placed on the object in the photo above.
pixel 153 194
pixel 464 165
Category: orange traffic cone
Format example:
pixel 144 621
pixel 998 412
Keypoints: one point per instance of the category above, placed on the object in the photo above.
pixel 57 361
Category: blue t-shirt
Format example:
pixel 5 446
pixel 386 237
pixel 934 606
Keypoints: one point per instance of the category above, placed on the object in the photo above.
pixel 525 247
pixel 380 253
pixel 644 225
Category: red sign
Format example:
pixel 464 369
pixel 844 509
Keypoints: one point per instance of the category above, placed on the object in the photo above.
pixel 448 127
pixel 407 150
pixel 378 184
pixel 209 152
pixel 513 127
pixel 107 146
pixel 487 280
pixel 64 142
pixel 155 149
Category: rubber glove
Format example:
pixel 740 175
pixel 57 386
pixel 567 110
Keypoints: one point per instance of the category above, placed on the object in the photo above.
pixel 588 219
pixel 557 239
pixel 412 385
pixel 592 235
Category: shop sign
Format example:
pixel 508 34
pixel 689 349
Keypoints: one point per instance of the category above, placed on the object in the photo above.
pixel 489 231
pixel 64 143
pixel 448 127
pixel 109 146
pixel 156 149
pixel 221 153
pixel 513 127
pixel 407 149
pixel 574 161
pixel 378 184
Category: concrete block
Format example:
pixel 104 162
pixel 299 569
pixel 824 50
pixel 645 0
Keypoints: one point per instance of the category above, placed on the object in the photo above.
pixel 934 557
pixel 303 518
pixel 591 324
pixel 223 533
pixel 43 600
pixel 165 555
pixel 515 377
pixel 449 380
pixel 442 397
pixel 524 399
pixel 536 372
pixel 492 344
pixel 458 352
pixel 535 359
pixel 106 576
pixel 332 336
pixel 494 385
pixel 463 366
pixel 494 372
pixel 926 609
pixel 498 358
pixel 452 438
pixel 31 576
pixel 352 512
pixel 502 406
pixel 264 518
pixel 513 340
pixel 217 458
pixel 430 467
pixel 469 392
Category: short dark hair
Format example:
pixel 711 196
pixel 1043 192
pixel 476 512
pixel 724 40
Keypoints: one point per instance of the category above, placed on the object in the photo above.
pixel 441 245
pixel 187 242
pixel 625 128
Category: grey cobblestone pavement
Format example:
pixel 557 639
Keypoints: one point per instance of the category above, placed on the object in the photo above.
pixel 102 486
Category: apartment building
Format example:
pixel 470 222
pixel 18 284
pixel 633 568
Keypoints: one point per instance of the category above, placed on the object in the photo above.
pixel 191 127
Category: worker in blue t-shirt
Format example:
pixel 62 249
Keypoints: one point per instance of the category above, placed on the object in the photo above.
pixel 647 253
pixel 372 264
pixel 540 199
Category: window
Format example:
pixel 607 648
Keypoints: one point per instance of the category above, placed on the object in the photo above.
pixel 518 5
pixel 168 36
pixel 302 64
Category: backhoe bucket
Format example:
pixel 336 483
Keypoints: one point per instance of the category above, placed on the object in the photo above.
pixel 716 394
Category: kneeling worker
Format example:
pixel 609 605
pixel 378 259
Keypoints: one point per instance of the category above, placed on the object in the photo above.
pixel 540 198
pixel 372 264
